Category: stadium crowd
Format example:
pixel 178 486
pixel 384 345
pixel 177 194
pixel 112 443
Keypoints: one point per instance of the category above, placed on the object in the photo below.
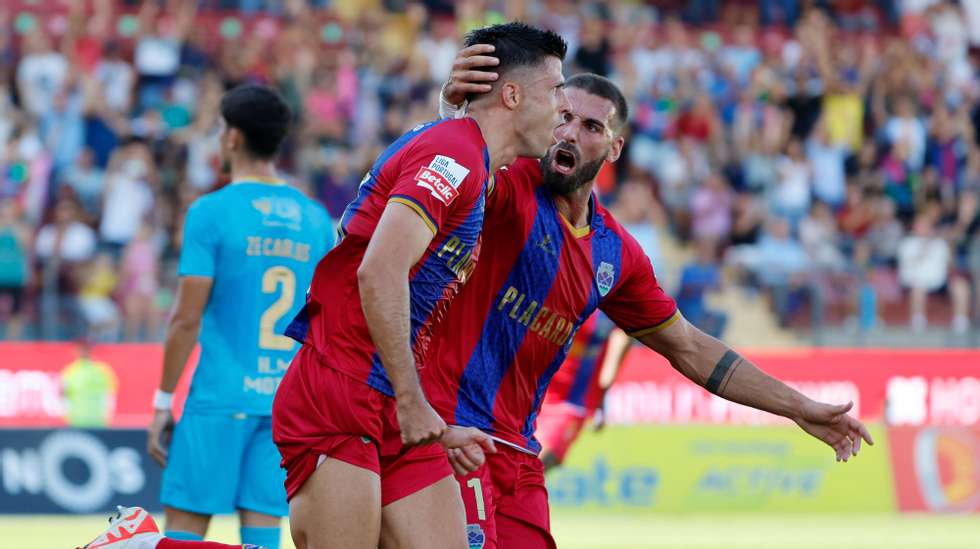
pixel 823 153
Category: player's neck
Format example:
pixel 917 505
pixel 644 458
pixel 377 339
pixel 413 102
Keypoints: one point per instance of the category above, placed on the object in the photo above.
pixel 499 139
pixel 574 207
pixel 250 169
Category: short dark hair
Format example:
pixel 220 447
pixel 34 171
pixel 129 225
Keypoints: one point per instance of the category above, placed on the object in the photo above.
pixel 261 114
pixel 517 44
pixel 602 87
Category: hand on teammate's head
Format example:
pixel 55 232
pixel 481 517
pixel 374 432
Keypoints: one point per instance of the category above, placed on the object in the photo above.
pixel 470 73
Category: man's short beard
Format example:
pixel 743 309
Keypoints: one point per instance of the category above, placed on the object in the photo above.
pixel 564 185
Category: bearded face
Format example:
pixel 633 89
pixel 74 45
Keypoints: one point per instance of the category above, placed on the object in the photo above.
pixel 564 171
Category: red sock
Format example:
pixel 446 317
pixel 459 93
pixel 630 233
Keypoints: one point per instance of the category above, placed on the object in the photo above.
pixel 167 543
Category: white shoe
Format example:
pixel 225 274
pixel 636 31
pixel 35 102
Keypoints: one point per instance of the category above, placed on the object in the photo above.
pixel 129 524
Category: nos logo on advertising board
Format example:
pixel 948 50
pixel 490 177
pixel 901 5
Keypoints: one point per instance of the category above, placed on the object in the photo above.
pixel 76 471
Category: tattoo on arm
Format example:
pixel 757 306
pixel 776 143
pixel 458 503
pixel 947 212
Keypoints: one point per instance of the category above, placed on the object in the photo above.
pixel 723 372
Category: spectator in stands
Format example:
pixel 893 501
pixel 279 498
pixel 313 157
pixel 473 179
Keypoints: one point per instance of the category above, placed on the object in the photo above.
pixel 139 283
pixel 875 125
pixel 41 74
pixel 779 264
pixel 62 248
pixel 923 266
pixel 821 241
pixel 129 196
pixel 15 244
pixel 905 128
pixel 87 181
pixel 791 196
pixel 711 209
pixel 99 311
pixel 826 162
pixel 699 277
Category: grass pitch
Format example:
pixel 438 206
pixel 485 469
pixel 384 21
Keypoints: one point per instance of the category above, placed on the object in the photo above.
pixel 589 530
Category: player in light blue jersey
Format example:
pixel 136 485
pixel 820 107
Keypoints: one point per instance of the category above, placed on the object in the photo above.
pixel 248 255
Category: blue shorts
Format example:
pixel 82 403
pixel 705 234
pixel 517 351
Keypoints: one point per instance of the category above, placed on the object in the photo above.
pixel 220 463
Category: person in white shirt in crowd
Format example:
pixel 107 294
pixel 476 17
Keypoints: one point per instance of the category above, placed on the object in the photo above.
pixel 826 161
pixel 129 196
pixel 791 196
pixel 41 73
pixel 924 261
pixel 61 248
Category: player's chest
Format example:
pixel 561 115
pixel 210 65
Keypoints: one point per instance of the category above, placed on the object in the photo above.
pixel 558 279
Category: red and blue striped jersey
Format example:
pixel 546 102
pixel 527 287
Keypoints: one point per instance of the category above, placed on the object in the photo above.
pixel 440 170
pixel 576 383
pixel 509 329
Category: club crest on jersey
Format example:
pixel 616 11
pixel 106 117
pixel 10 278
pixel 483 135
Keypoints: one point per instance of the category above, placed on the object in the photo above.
pixel 605 277
pixel 442 177
pixel 475 536
pixel 279 212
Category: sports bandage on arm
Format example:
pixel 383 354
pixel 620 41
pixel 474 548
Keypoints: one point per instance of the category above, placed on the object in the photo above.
pixel 447 109
pixel 162 400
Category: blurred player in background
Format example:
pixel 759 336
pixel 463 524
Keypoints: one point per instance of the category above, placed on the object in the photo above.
pixel 577 390
pixel 249 251
pixel 351 420
pixel 558 256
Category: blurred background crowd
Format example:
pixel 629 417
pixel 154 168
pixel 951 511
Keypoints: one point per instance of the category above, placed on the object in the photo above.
pixel 816 161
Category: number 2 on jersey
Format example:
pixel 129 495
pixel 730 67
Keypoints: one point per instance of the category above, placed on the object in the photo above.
pixel 271 280
pixel 481 506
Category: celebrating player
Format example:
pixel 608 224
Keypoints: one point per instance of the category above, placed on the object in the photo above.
pixel 557 257
pixel 350 419
pixel 579 386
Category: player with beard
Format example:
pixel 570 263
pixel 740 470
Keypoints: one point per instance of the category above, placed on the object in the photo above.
pixel 350 419
pixel 557 257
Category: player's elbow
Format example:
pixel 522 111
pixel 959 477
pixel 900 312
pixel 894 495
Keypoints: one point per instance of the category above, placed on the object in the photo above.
pixel 374 274
pixel 184 324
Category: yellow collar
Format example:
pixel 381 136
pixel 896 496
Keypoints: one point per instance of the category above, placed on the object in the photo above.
pixel 577 232
pixel 257 179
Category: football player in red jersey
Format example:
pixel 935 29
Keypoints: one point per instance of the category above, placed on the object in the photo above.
pixel 579 386
pixel 559 256
pixel 350 419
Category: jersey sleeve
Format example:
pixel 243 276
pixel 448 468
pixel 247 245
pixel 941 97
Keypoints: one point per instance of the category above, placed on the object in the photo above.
pixel 638 304
pixel 199 252
pixel 442 171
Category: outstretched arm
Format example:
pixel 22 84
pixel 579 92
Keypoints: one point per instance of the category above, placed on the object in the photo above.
pixel 713 365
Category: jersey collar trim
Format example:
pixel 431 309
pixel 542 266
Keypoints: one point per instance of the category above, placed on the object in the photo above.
pixel 262 180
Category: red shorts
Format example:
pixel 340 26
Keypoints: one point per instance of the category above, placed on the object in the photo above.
pixel 557 427
pixel 507 503
pixel 319 411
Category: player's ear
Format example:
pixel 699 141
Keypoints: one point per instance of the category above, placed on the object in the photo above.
pixel 616 149
pixel 236 139
pixel 510 95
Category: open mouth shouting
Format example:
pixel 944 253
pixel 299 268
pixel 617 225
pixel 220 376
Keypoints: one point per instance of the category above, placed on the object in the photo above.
pixel 565 159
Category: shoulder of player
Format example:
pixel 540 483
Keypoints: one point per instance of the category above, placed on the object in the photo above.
pixel 524 174
pixel 609 224
pixel 458 139
pixel 208 201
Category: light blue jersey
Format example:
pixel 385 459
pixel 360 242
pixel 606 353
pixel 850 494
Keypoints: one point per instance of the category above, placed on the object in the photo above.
pixel 259 242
